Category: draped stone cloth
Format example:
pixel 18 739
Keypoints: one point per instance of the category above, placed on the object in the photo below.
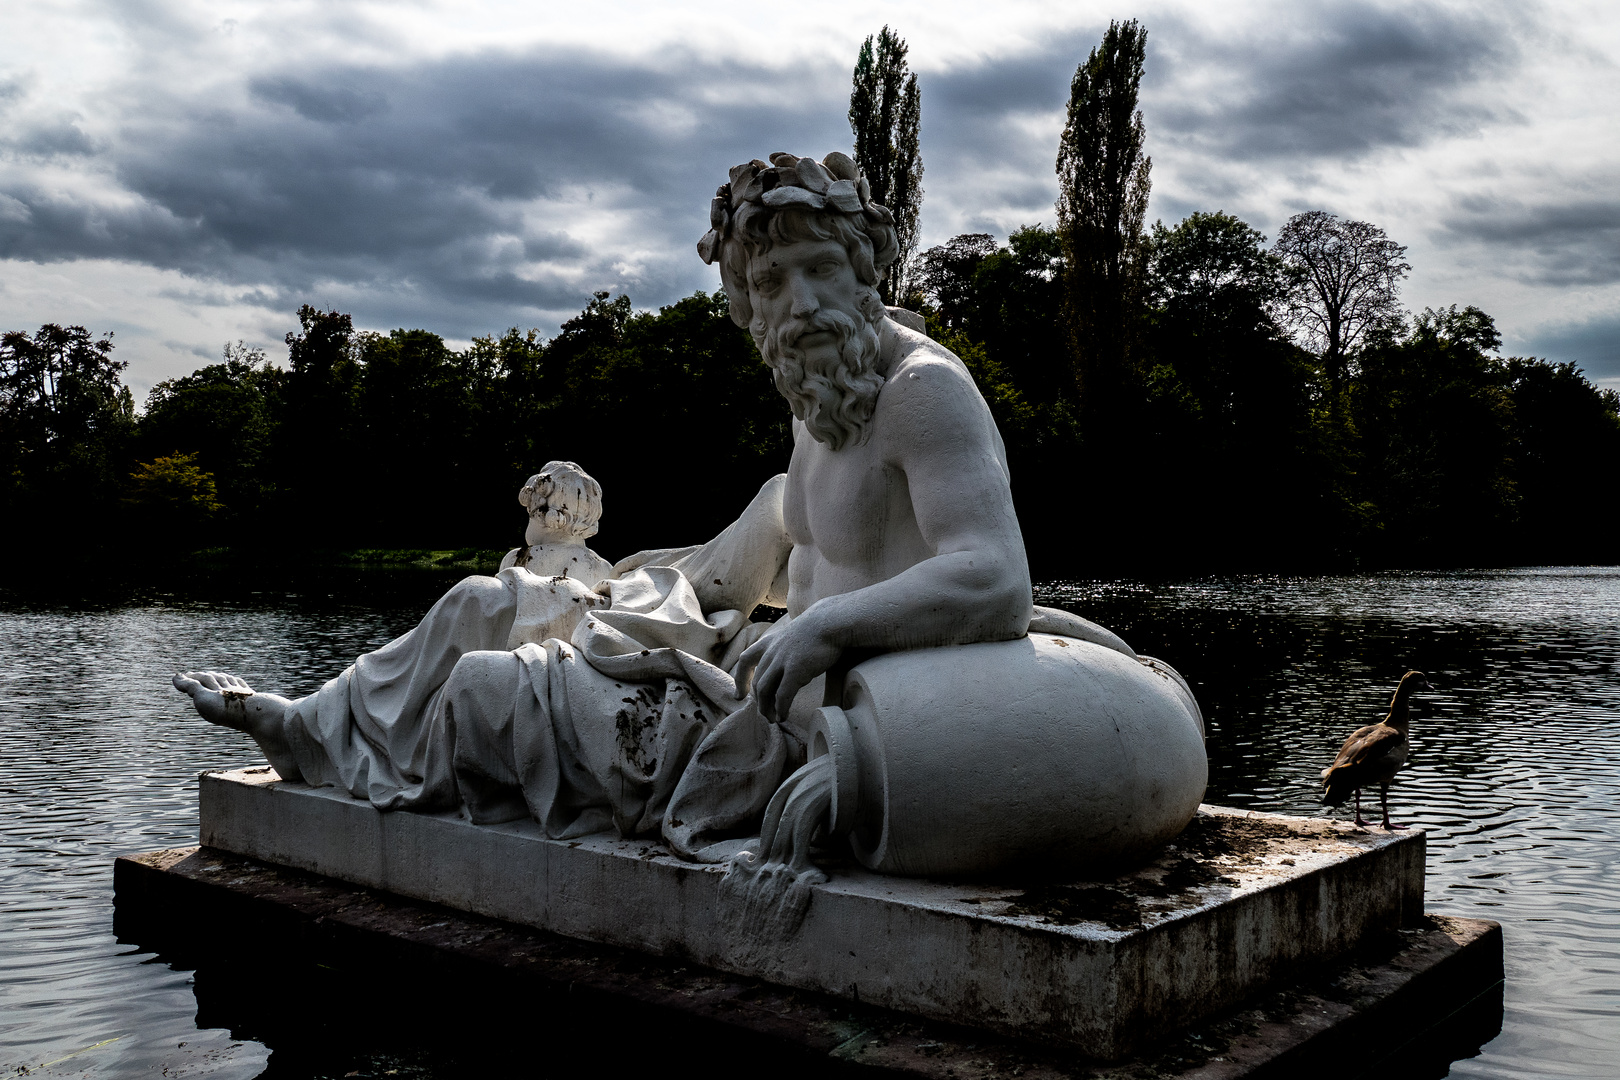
pixel 584 709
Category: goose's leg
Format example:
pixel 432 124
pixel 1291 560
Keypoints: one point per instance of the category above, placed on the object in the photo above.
pixel 1385 800
pixel 1358 809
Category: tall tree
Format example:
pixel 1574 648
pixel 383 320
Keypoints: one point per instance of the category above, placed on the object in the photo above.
pixel 318 436
pixel 1103 178
pixel 885 111
pixel 1346 281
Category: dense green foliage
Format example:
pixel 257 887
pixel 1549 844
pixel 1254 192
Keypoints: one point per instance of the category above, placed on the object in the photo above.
pixel 65 421
pixel 394 440
pixel 1231 449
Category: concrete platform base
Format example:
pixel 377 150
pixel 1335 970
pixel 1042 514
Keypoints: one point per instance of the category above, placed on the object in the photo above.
pixel 335 976
pixel 1106 965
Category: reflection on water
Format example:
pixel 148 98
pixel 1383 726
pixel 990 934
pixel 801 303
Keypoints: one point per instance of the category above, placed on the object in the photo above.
pixel 1516 767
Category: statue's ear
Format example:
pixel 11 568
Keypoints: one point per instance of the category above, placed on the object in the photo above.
pixel 742 308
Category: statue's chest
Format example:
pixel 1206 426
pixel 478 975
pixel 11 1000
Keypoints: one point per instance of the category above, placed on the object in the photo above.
pixel 845 501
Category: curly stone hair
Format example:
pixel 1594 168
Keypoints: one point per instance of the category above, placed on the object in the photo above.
pixel 792 200
pixel 565 498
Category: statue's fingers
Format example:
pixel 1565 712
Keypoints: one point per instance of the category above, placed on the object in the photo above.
pixel 766 681
pixel 744 670
pixel 788 689
pixel 784 701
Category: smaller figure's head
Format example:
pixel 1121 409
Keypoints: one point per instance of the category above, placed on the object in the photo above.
pixel 563 501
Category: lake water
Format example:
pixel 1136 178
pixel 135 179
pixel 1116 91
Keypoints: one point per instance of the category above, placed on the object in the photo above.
pixel 1515 769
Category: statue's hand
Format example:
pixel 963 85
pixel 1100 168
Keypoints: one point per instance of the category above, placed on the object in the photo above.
pixel 776 667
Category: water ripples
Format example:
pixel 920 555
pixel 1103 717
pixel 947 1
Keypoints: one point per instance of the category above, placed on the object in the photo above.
pixel 98 758
pixel 1515 765
pixel 1515 771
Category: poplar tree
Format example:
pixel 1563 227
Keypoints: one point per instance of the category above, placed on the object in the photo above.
pixel 1103 193
pixel 885 111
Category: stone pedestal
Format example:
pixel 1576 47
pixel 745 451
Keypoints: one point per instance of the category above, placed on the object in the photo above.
pixel 1239 901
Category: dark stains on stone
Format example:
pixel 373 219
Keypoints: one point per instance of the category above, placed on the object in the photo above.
pixel 1065 905
pixel 634 727
pixel 1121 896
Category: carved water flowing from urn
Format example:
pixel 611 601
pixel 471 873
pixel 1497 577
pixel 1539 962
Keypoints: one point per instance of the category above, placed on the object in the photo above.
pixel 768 888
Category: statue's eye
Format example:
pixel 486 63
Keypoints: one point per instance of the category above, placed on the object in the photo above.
pixel 826 267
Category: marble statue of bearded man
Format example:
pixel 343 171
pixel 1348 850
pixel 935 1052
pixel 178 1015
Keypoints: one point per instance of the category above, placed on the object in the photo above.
pixel 662 708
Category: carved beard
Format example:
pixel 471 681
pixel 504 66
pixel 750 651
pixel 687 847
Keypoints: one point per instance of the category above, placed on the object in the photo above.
pixel 832 390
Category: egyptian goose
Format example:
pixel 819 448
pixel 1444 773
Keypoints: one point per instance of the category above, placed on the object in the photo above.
pixel 1373 754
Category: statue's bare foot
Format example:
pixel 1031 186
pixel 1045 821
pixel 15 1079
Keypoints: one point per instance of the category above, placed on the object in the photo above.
pixel 221 698
pixel 229 701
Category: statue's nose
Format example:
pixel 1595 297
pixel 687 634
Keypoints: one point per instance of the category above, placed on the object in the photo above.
pixel 805 302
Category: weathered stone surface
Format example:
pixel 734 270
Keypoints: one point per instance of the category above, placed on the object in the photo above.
pixel 1238 901
pixel 219 911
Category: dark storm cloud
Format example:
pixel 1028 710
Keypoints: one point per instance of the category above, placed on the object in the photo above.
pixel 413 184
pixel 434 193
pixel 1593 344
pixel 1572 238
pixel 1333 82
pixel 62 137
pixel 977 120
pixel 1309 89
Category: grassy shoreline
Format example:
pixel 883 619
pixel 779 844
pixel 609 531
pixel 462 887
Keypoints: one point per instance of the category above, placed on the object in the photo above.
pixel 414 576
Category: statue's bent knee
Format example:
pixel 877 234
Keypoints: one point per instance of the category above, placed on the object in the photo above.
pixel 1046 751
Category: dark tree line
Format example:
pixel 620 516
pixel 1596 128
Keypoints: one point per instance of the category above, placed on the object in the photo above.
pixel 1230 446
pixel 1233 450
pixel 393 440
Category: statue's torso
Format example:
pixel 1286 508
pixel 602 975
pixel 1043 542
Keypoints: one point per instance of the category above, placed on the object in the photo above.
pixel 849 512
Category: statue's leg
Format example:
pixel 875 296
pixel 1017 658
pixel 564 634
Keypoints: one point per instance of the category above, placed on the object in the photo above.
pixel 487 699
pixel 386 695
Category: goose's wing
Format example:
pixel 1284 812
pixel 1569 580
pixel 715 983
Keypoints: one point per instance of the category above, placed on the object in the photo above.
pixel 1365 744
pixel 1356 764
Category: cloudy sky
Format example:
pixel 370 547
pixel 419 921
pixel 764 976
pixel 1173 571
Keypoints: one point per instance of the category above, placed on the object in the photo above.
pixel 186 173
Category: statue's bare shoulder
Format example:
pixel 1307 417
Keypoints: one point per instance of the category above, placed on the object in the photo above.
pixel 930 406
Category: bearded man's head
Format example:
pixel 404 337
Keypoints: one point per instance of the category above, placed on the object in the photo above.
pixel 799 200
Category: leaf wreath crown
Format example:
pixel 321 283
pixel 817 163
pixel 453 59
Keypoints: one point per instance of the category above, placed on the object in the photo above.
pixel 788 182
